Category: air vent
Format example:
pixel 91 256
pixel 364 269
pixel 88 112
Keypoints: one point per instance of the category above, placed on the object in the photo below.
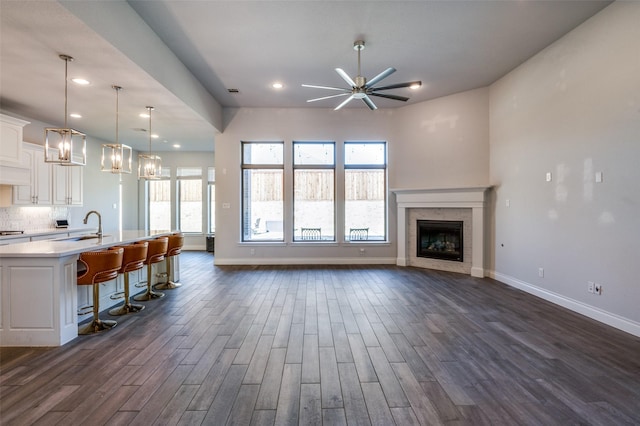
pixel 233 90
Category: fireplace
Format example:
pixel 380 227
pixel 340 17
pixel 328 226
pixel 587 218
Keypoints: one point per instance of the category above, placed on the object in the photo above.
pixel 440 239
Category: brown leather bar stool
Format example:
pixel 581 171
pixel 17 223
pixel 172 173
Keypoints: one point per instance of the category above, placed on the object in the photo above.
pixel 101 266
pixel 176 241
pixel 155 254
pixel 132 260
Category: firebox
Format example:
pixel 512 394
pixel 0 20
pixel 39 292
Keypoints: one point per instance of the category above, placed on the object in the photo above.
pixel 440 239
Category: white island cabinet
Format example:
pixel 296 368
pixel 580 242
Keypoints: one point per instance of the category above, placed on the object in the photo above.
pixel 38 290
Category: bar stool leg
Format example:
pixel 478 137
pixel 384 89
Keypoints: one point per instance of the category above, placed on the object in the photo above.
pixel 149 294
pixel 128 307
pixel 169 285
pixel 97 325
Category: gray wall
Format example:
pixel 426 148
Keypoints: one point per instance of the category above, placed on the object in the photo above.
pixel 572 110
pixel 439 144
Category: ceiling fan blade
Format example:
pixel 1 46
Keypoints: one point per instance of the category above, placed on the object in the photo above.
pixel 346 77
pixel 394 97
pixel 346 101
pixel 398 86
pixel 384 74
pixel 369 103
pixel 327 87
pixel 328 97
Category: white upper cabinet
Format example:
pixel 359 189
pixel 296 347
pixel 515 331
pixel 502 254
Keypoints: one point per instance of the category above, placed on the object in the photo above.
pixel 12 171
pixel 67 185
pixel 39 191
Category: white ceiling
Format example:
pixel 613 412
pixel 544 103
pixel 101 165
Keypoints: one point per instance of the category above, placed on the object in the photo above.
pixel 451 46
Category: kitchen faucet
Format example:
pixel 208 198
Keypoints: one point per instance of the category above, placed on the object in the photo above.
pixel 99 222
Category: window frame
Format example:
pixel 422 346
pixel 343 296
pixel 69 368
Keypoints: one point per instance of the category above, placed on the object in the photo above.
pixel 178 204
pixel 245 228
pixel 164 176
pixel 305 166
pixel 367 166
pixel 211 210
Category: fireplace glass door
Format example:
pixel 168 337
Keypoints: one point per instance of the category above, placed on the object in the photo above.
pixel 440 239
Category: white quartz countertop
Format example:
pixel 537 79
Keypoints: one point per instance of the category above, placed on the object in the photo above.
pixel 66 246
pixel 47 231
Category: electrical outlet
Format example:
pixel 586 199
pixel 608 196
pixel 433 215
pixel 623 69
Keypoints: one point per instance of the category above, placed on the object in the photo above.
pixel 253 252
pixel 590 286
pixel 541 272
pixel 361 252
pixel 597 289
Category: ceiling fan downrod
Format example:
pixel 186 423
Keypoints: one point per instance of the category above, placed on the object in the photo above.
pixel 360 81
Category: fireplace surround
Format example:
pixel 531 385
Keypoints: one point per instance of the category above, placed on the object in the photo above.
pixel 471 200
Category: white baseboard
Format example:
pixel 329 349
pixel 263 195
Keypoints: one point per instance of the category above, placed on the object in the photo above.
pixel 194 247
pixel 592 312
pixel 307 261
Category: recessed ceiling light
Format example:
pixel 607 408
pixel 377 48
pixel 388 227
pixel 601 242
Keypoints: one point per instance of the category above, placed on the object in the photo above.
pixel 176 145
pixel 75 115
pixel 144 115
pixel 155 136
pixel 277 85
pixel 80 81
pixel 415 86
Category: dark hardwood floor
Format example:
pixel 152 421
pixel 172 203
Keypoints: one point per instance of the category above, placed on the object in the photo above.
pixel 331 345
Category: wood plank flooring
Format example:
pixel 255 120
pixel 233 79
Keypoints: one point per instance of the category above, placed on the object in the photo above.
pixel 337 345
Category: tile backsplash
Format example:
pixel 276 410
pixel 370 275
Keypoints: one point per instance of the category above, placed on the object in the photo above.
pixel 31 218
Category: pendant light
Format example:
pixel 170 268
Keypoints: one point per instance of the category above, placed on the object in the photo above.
pixel 149 165
pixel 65 146
pixel 116 158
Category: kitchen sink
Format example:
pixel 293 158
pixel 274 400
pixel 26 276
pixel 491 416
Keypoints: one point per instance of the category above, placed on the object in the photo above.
pixel 81 237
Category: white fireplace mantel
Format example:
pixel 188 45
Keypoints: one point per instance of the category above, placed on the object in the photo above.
pixel 472 197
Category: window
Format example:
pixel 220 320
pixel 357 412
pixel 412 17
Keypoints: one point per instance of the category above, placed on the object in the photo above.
pixel 160 202
pixel 262 191
pixel 189 199
pixel 365 191
pixel 212 199
pixel 314 191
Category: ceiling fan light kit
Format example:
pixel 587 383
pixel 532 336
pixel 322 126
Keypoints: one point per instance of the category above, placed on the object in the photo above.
pixel 360 88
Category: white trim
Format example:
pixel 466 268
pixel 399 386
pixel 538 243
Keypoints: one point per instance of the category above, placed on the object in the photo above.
pixel 471 198
pixel 592 312
pixel 194 247
pixel 307 261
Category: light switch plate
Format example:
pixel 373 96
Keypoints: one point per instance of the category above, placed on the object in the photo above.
pixel 548 176
pixel 598 177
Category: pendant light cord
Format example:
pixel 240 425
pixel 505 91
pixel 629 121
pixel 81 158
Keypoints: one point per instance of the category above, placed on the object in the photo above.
pixel 66 67
pixel 150 108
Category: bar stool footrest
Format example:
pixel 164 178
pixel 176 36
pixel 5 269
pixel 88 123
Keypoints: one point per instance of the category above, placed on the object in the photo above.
pixel 85 310
pixel 117 296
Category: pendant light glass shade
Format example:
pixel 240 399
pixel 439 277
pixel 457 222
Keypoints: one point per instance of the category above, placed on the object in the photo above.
pixel 65 146
pixel 149 165
pixel 117 157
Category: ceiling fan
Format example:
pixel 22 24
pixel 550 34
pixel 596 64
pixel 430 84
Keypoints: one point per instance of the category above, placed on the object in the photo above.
pixel 361 88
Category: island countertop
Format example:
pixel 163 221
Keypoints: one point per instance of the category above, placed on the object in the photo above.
pixel 75 244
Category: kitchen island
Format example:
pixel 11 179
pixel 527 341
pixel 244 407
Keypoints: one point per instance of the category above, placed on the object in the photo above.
pixel 38 290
